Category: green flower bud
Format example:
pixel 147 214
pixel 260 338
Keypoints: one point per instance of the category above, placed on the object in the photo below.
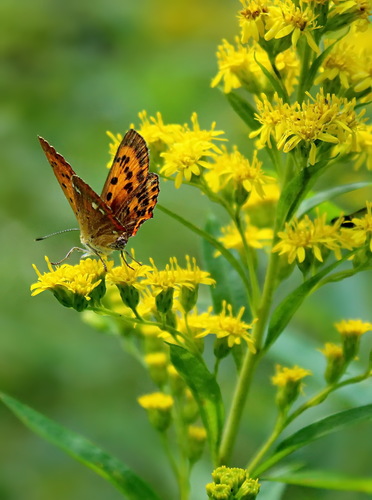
pixel 196 440
pixel 164 300
pixel 159 407
pixel 219 491
pixel 249 490
pixel 63 295
pixel 129 295
pixel 188 297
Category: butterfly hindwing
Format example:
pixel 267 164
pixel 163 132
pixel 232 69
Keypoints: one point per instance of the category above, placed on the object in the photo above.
pixel 98 226
pixel 62 170
pixel 128 171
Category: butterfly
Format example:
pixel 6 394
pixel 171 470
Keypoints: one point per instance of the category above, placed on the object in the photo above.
pixel 128 198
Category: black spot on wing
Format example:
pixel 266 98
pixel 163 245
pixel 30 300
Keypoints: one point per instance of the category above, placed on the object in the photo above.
pixel 114 180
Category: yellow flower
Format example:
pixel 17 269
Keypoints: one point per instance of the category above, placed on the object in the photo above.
pixel 235 168
pixel 361 150
pixel 353 327
pixel 156 401
pixel 158 406
pixel 225 326
pixel 237 67
pixel 173 276
pixel 81 279
pixel 332 351
pixel 357 10
pixel 186 156
pixel 285 375
pixel 124 274
pixel 327 118
pixel 342 63
pixel 155 132
pixel 362 231
pixel 256 237
pixel 252 19
pixel 271 116
pixel 288 65
pixel 287 18
pixel 307 235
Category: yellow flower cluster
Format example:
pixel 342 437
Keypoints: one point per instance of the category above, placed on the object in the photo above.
pixel 325 118
pixel 316 236
pixel 273 20
pixel 238 67
pixel 81 279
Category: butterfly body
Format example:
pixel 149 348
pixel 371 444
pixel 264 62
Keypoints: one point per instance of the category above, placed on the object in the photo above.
pixel 128 197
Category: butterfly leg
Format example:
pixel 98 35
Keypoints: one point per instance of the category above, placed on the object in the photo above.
pixel 125 260
pixel 67 255
pixel 131 256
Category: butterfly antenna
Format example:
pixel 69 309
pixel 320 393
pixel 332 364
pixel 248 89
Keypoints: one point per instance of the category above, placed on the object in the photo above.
pixel 58 232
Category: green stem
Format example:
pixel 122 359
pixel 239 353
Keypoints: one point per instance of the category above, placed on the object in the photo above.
pixel 278 427
pixel 248 251
pixel 249 363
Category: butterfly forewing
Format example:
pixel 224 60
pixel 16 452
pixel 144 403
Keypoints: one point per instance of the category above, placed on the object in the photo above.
pixel 62 170
pixel 128 171
pixel 140 206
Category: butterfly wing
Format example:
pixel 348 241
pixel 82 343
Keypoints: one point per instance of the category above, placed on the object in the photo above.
pixel 99 227
pixel 130 190
pixel 129 170
pixel 62 170
pixel 141 204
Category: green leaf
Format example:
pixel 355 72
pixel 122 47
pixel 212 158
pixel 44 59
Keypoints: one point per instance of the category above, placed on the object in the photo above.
pixel 316 65
pixel 286 309
pixel 228 285
pixel 328 194
pixel 317 430
pixel 326 480
pixel 75 445
pixel 275 82
pixel 297 188
pixel 243 109
pixel 205 390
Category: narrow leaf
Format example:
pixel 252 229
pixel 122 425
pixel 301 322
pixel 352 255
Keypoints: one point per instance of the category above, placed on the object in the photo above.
pixel 286 309
pixel 275 82
pixel 326 480
pixel 317 430
pixel 75 445
pixel 327 425
pixel 205 390
pixel 243 109
pixel 328 194
pixel 296 189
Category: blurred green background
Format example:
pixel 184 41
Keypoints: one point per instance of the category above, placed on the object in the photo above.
pixel 69 72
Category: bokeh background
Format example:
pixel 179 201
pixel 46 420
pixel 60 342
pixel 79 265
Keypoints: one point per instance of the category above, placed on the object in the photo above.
pixel 69 72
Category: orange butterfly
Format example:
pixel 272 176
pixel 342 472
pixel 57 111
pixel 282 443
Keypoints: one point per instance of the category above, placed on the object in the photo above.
pixel 128 197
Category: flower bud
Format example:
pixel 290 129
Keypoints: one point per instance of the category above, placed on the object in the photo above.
pixel 335 362
pixel 158 406
pixel 164 300
pixel 157 365
pixel 129 295
pixel 196 440
pixel 188 297
pixel 289 382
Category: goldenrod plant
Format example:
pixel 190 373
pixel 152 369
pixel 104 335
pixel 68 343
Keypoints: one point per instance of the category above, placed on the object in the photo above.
pixel 299 75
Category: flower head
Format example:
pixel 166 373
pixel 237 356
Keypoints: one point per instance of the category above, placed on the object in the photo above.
pixel 301 237
pixel 287 18
pixel 225 326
